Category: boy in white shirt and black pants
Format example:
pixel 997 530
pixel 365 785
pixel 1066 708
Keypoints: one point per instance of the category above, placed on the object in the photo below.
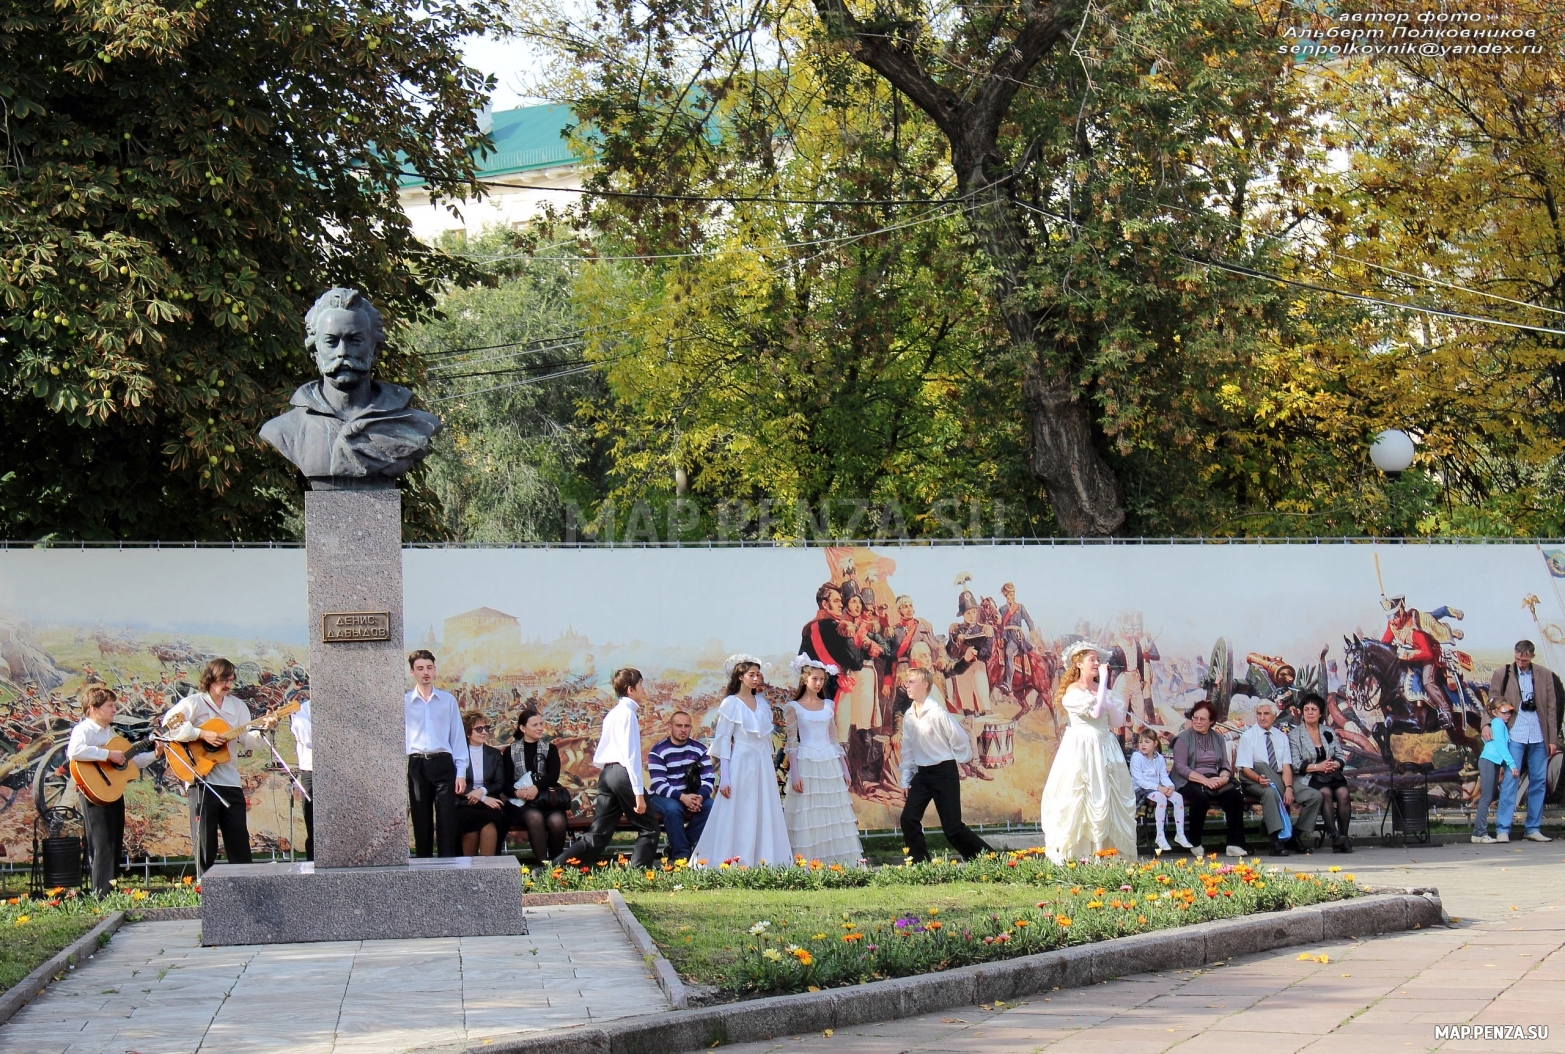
pixel 304 748
pixel 619 783
pixel 933 745
pixel 105 824
pixel 437 757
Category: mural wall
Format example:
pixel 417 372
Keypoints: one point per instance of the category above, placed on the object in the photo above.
pixel 1401 640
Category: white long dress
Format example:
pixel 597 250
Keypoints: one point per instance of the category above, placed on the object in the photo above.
pixel 1088 802
pixel 746 827
pixel 821 824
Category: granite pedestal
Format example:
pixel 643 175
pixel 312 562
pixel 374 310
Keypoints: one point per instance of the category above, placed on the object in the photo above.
pixel 353 563
pixel 477 896
pixel 361 885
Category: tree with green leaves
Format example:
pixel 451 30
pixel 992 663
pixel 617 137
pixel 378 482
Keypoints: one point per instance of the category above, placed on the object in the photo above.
pixel 1093 156
pixel 178 181
pixel 506 373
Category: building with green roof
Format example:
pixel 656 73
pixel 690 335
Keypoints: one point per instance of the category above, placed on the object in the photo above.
pixel 531 165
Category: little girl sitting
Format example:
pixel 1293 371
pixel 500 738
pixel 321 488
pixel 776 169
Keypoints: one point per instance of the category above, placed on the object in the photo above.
pixel 1149 777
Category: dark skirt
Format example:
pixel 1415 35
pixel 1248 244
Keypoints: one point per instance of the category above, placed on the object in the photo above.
pixel 470 818
pixel 1331 782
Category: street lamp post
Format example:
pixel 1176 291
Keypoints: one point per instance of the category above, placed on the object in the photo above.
pixel 1392 452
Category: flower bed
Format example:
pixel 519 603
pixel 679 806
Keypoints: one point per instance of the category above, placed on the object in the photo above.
pixel 753 930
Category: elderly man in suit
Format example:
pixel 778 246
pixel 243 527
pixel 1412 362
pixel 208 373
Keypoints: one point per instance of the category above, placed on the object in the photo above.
pixel 1533 690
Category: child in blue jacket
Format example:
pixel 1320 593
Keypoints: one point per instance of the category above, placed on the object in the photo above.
pixel 1494 760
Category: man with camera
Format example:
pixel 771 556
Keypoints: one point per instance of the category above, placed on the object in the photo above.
pixel 681 786
pixel 1534 691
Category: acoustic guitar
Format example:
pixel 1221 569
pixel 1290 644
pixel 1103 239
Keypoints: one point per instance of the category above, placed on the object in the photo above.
pixel 198 758
pixel 102 782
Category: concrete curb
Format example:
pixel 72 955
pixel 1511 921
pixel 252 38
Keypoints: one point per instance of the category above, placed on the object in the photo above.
pixel 81 948
pixel 1185 947
pixel 667 977
pixel 640 939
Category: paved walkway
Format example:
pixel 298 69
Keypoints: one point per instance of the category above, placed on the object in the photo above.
pixel 155 990
pixel 1503 963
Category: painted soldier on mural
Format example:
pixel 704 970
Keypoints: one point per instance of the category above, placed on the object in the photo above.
pixel 1418 637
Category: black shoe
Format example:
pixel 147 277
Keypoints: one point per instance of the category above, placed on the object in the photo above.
pixel 1278 849
pixel 1297 846
pixel 1347 845
pixel 1336 846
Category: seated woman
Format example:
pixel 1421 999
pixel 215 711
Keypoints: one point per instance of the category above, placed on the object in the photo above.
pixel 480 813
pixel 1203 775
pixel 537 801
pixel 1318 756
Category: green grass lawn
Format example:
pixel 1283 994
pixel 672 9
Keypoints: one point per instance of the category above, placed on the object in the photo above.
pixel 789 929
pixel 703 932
pixel 26 947
pixel 33 931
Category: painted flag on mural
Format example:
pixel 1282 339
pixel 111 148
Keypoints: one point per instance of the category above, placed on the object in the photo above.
pixel 1555 558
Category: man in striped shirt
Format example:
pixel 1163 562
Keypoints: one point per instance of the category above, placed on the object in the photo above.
pixel 681 785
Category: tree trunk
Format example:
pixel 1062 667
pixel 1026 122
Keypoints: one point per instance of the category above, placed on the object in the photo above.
pixel 1066 458
pixel 1085 493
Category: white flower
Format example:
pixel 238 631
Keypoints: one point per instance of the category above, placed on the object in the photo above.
pixel 759 928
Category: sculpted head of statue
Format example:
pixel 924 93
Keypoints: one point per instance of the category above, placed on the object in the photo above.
pixel 345 334
pixel 348 427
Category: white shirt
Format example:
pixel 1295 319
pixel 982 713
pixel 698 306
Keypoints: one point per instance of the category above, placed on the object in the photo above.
pixel 620 743
pixel 89 742
pixel 1149 773
pixel 1526 728
pixel 303 737
pixel 434 726
pixel 931 736
pixel 1252 748
pixel 197 710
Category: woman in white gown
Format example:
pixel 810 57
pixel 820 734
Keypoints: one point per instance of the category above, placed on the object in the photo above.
pixel 1088 803
pixel 746 825
pixel 821 824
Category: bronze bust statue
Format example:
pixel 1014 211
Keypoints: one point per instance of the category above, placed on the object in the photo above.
pixel 348 429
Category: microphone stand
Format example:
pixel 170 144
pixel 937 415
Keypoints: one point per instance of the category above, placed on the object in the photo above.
pixel 195 817
pixel 292 778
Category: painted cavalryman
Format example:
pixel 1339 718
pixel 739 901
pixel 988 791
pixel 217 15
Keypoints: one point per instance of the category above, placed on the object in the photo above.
pixel 1417 637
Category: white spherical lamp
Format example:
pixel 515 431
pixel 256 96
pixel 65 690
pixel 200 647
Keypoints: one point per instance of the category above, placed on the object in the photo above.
pixel 1392 450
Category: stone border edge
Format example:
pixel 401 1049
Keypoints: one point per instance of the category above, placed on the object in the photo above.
pixel 663 970
pixel 82 947
pixel 1185 947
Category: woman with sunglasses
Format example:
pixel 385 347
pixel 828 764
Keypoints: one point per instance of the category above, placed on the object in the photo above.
pixel 480 814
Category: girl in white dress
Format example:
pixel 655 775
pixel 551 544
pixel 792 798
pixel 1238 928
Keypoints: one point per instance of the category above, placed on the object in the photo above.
pixel 746 825
pixel 821 824
pixel 1088 802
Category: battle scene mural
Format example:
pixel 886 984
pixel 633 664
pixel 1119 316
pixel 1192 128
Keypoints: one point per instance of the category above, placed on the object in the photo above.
pixel 1400 640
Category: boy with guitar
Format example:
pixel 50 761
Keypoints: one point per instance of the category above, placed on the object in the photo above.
pixel 95 746
pixel 214 719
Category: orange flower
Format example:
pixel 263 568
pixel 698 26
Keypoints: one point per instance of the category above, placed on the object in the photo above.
pixel 1106 853
pixel 1062 920
pixel 849 938
pixel 936 924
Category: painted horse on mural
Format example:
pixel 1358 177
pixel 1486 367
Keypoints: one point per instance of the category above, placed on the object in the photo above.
pixel 1378 678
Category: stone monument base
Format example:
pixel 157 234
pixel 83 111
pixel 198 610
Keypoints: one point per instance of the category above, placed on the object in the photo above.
pixel 285 903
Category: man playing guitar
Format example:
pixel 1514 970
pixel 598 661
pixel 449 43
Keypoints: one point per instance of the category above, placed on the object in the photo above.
pixel 105 823
pixel 217 803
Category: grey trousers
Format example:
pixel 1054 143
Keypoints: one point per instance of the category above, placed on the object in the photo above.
pixel 1307 798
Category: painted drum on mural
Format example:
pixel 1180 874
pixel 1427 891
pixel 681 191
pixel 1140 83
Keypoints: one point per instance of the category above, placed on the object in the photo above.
pixel 1400 641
